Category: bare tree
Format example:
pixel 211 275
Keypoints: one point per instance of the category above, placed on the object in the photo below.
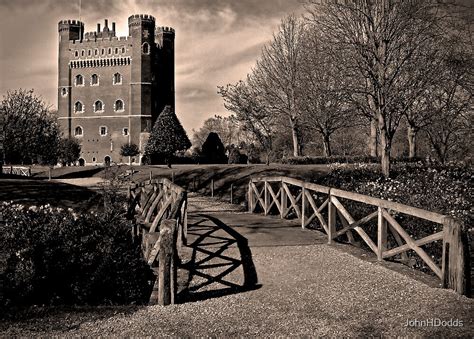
pixel 227 128
pixel 323 96
pixel 382 39
pixel 244 100
pixel 277 75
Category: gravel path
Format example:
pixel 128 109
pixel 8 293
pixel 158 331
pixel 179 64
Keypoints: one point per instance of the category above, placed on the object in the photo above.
pixel 315 290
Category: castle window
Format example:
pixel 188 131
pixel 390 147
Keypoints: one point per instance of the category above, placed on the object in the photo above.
pixel 89 52
pixel 76 54
pixel 94 80
pixel 125 131
pixel 78 107
pixel 110 50
pixel 117 79
pixel 79 80
pixel 102 51
pixel 146 48
pixel 123 49
pixel 103 130
pixel 98 106
pixel 96 52
pixel 64 91
pixel 83 52
pixel 118 106
pixel 78 131
pixel 116 50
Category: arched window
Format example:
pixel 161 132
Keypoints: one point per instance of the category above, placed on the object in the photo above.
pixel 79 80
pixel 123 49
pixel 64 91
pixel 103 51
pixel 119 106
pixel 146 48
pixel 125 131
pixel 96 52
pixel 116 50
pixel 89 52
pixel 83 52
pixel 78 131
pixel 76 54
pixel 117 79
pixel 94 80
pixel 98 106
pixel 110 50
pixel 103 130
pixel 78 107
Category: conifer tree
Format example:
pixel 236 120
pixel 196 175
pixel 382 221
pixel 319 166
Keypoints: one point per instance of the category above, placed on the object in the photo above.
pixel 167 137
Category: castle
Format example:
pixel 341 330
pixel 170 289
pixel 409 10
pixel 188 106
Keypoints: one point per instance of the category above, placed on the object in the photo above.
pixel 111 89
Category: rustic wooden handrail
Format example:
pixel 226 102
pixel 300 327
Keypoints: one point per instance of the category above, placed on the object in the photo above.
pixel 159 208
pixel 16 170
pixel 267 192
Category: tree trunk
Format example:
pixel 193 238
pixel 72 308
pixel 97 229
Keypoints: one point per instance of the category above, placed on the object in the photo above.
pixel 386 143
pixel 411 135
pixel 373 138
pixel 294 134
pixel 327 145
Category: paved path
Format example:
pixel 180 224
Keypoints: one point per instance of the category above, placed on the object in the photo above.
pixel 253 276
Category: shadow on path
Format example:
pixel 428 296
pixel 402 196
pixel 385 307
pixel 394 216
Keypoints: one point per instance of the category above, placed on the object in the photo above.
pixel 218 253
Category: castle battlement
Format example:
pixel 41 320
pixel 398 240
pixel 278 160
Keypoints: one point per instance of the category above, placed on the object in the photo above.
pixel 88 39
pixel 71 22
pixel 165 29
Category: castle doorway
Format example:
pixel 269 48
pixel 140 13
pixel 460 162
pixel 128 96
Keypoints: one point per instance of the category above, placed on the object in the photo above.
pixel 107 161
pixel 82 162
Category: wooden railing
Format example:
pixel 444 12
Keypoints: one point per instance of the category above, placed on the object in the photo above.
pixel 16 170
pixel 159 208
pixel 287 195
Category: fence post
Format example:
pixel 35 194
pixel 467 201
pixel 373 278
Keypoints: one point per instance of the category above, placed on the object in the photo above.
pixel 194 184
pixel 265 195
pixel 455 260
pixel 284 201
pixel 381 234
pixel 231 193
pixel 250 197
pixel 331 219
pixel 150 176
pixel 167 264
pixel 11 170
pixel 172 176
pixel 212 188
pixel 303 207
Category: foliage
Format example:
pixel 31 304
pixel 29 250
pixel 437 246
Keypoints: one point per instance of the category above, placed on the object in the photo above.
pixel 167 137
pixel 129 150
pixel 213 151
pixel 306 160
pixel 57 256
pixel 228 128
pixel 31 131
pixel 69 151
pixel 235 157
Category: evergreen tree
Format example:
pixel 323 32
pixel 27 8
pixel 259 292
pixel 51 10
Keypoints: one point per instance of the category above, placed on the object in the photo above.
pixel 167 137
pixel 213 151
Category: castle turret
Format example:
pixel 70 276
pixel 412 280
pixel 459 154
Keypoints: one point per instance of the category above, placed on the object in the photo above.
pixel 142 29
pixel 164 38
pixel 68 30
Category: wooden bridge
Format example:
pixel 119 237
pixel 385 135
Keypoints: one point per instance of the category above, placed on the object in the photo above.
pixel 16 170
pixel 160 209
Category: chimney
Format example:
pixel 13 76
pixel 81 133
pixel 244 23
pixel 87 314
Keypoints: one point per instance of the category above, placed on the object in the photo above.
pixel 113 26
pixel 98 28
pixel 106 25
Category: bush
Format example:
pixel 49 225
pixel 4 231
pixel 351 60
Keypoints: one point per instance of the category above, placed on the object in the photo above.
pixel 54 256
pixel 235 157
pixel 321 160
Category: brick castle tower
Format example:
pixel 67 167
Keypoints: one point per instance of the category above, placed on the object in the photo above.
pixel 111 89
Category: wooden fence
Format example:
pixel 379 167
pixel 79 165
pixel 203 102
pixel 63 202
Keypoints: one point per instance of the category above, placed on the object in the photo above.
pixel 159 208
pixel 287 195
pixel 16 170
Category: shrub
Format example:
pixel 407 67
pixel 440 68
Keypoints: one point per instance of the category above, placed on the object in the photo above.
pixel 321 160
pixel 235 157
pixel 54 256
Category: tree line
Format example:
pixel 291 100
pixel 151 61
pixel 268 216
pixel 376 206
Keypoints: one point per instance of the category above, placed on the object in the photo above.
pixel 368 67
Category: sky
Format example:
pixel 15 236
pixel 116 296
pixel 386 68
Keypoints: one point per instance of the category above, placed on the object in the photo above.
pixel 217 42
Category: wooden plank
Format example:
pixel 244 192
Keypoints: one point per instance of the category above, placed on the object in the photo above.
pixel 160 215
pixel 258 195
pixel 153 206
pixel 149 201
pixel 293 201
pixel 381 234
pixel 274 198
pixel 349 220
pixel 167 266
pixel 316 188
pixel 355 224
pixel 265 197
pixel 398 239
pixel 303 209
pixel 283 203
pixel 412 244
pixel 406 247
pixel 331 220
pixel 316 211
pixel 416 212
pixel 154 252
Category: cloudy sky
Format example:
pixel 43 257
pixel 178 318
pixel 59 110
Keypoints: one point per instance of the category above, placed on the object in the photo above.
pixel 217 42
